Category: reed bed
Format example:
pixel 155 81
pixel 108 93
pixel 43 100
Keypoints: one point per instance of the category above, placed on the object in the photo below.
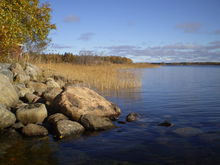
pixel 102 77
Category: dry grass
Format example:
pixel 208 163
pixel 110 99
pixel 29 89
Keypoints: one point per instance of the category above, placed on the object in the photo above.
pixel 102 77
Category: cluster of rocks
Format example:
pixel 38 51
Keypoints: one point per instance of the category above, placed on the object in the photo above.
pixel 36 104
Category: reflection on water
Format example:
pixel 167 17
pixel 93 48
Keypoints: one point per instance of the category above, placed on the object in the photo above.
pixel 187 96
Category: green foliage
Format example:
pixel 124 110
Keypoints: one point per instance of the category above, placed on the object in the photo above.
pixel 23 22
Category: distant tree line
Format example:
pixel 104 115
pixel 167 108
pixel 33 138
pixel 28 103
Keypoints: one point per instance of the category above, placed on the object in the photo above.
pixel 85 59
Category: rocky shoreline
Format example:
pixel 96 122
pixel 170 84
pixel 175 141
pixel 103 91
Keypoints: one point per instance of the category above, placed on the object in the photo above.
pixel 36 104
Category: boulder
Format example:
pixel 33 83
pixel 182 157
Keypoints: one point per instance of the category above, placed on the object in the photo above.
pixel 17 126
pixel 188 131
pixel 34 130
pixel 16 69
pixel 77 101
pixel 51 83
pixel 33 71
pixel 60 80
pixel 132 117
pixel 53 119
pixel 22 90
pixel 8 94
pixel 51 93
pixel 95 123
pixel 21 78
pixel 31 98
pixel 32 113
pixel 7 73
pixel 7 118
pixel 38 87
pixel 67 127
pixel 4 66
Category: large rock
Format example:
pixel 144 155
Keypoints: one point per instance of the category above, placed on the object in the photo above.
pixel 38 87
pixel 77 101
pixel 34 130
pixel 53 119
pixel 8 94
pixel 95 123
pixel 7 118
pixel 32 113
pixel 67 127
pixel 33 71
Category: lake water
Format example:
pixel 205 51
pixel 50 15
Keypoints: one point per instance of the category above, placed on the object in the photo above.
pixel 187 96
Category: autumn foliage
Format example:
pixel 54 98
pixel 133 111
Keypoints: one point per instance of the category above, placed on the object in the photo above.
pixel 23 22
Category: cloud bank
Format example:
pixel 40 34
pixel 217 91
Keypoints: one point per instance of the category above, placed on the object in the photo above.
pixel 71 18
pixel 169 53
pixel 86 36
pixel 189 27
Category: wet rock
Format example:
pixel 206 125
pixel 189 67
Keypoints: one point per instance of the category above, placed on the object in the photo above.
pixel 8 94
pixel 7 118
pixel 38 87
pixel 31 98
pixel 95 123
pixel 132 117
pixel 165 124
pixel 67 127
pixel 34 130
pixel 32 113
pixel 51 83
pixel 188 131
pixel 122 122
pixel 53 119
pixel 77 101
pixel 33 71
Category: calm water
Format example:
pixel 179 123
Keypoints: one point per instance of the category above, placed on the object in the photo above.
pixel 187 96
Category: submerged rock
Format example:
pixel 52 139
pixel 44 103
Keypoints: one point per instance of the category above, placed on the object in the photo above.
pixel 8 93
pixel 95 123
pixel 77 101
pixel 7 118
pixel 32 113
pixel 165 124
pixel 132 117
pixel 188 131
pixel 66 128
pixel 34 130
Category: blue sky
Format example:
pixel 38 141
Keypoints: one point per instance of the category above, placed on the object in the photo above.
pixel 143 30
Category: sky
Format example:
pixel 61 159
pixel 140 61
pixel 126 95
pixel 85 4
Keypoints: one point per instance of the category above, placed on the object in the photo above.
pixel 143 30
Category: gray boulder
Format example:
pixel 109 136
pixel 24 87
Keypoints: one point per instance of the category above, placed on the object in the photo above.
pixel 95 123
pixel 67 127
pixel 32 113
pixel 33 71
pixel 8 94
pixel 77 101
pixel 4 66
pixel 7 118
pixel 7 73
pixel 188 131
pixel 34 130
pixel 53 119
